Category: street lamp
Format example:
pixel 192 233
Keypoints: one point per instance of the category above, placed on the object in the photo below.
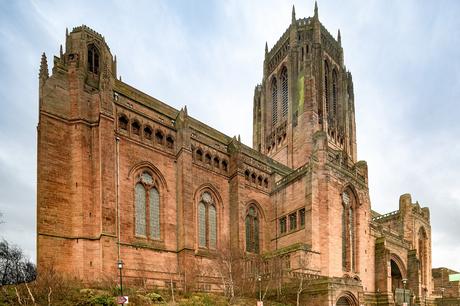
pixel 404 281
pixel 259 279
pixel 442 295
pixel 120 267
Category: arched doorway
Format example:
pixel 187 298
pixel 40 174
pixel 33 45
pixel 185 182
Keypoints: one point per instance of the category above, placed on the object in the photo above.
pixel 347 300
pixel 396 276
pixel 343 301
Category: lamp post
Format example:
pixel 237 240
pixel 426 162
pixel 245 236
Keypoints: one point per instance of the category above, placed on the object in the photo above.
pixel 442 295
pixel 259 279
pixel 404 281
pixel 120 267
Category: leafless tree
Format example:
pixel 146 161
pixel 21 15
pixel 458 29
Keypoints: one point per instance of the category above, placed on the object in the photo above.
pixel 303 275
pixel 15 268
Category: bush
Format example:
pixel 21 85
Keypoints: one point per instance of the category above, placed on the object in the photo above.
pixel 103 300
pixel 155 297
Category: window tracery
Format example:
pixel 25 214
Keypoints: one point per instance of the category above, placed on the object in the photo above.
pixel 207 222
pixel 147 207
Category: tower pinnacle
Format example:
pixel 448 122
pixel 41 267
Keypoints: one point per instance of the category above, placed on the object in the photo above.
pixel 43 74
pixel 339 38
pixel 293 14
pixel 316 10
pixel 266 48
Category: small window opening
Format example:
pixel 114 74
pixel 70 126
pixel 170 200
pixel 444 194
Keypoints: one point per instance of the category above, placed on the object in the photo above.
pixel 169 142
pixel 266 183
pixel 253 177
pixel 199 155
pixel 208 158
pixel 148 133
pixel 293 221
pixel 259 181
pixel 224 165
pixel 302 217
pixel 216 162
pixel 246 175
pixel 135 127
pixel 282 222
pixel 123 122
pixel 159 137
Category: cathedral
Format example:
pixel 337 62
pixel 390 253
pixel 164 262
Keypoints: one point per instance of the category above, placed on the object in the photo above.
pixel 124 177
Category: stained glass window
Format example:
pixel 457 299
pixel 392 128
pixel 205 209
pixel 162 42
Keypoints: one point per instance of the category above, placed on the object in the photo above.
pixel 146 178
pixel 202 224
pixel 212 227
pixel 154 213
pixel 207 222
pixel 147 199
pixel 140 210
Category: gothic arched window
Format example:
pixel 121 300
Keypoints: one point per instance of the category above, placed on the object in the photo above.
pixel 348 230
pixel 123 122
pixel 93 59
pixel 334 93
pixel 135 127
pixel 284 92
pixel 326 86
pixel 274 102
pixel 207 222
pixel 252 230
pixel 147 207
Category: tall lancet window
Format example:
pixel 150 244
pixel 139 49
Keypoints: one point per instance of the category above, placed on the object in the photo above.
pixel 93 59
pixel 252 230
pixel 274 102
pixel 326 86
pixel 147 207
pixel 207 222
pixel 348 231
pixel 334 94
pixel 284 91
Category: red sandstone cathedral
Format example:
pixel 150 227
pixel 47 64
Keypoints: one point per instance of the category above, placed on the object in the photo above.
pixel 124 176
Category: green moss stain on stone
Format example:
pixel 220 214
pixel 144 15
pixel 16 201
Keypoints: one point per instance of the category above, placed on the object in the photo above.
pixel 300 88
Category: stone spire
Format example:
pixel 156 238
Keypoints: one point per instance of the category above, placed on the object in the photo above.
pixel 316 10
pixel 293 14
pixel 61 53
pixel 339 38
pixel 266 48
pixel 43 74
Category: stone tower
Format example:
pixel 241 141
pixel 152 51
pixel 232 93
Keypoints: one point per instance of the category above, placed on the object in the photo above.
pixel 305 88
pixel 75 155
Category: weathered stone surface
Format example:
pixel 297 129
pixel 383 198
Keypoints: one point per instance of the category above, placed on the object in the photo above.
pixel 97 135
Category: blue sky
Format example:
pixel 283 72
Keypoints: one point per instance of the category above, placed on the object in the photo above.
pixel 404 56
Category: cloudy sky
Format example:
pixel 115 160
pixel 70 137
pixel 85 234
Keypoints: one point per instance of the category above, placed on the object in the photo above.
pixel 404 56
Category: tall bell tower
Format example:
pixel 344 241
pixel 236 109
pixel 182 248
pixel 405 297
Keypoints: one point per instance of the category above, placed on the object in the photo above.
pixel 305 88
